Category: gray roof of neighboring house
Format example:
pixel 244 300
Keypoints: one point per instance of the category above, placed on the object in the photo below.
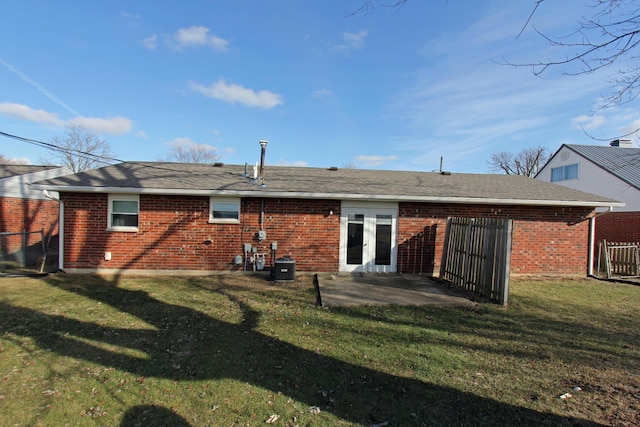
pixel 325 183
pixel 7 171
pixel 623 163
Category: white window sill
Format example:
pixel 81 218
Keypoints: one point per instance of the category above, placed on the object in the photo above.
pixel 124 229
pixel 224 221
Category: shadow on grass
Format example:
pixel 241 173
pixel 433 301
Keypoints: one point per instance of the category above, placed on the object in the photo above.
pixel 150 415
pixel 187 345
pixel 579 336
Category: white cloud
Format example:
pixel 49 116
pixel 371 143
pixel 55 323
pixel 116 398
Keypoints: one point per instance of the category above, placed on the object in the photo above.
pixel 111 126
pixel 463 106
pixel 321 93
pixel 24 112
pixel 150 42
pixel 236 94
pixel 589 122
pixel 37 86
pixel 630 126
pixel 351 41
pixel 131 18
pixel 198 36
pixel 374 160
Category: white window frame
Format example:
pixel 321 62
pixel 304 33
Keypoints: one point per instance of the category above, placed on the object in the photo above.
pixel 124 198
pixel 226 201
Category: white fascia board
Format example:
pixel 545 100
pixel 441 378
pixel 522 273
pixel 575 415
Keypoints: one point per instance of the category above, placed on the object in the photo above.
pixel 20 186
pixel 333 196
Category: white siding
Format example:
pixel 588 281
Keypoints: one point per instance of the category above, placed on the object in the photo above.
pixel 19 186
pixel 593 179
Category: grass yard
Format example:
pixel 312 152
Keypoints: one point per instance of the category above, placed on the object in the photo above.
pixel 238 350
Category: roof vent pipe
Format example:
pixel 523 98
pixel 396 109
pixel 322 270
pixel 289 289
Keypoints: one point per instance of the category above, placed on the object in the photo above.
pixel 263 146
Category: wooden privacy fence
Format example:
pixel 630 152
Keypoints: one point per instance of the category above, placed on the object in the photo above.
pixel 618 259
pixel 477 256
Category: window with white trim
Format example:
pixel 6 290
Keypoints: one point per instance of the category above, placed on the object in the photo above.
pixel 564 173
pixel 224 210
pixel 124 210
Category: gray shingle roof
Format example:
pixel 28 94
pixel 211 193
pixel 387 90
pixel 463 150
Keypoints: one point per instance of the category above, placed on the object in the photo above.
pixel 304 182
pixel 7 171
pixel 623 163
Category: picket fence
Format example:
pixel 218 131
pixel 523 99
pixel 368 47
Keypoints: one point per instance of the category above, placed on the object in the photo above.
pixel 618 259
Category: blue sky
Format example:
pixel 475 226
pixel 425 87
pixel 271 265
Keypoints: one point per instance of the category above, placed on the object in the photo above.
pixel 397 88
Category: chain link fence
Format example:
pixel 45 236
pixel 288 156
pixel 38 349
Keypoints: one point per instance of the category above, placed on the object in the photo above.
pixel 27 252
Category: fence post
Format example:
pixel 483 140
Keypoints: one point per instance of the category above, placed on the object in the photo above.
pixel 467 249
pixel 24 248
pixel 445 250
pixel 506 267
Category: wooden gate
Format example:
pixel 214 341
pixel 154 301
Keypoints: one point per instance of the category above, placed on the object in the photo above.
pixel 477 256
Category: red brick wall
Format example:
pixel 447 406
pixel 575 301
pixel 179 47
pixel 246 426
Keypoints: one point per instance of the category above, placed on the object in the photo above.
pixel 618 227
pixel 544 239
pixel 175 233
pixel 304 230
pixel 17 215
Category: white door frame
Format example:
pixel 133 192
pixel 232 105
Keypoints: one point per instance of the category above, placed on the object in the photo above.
pixel 369 210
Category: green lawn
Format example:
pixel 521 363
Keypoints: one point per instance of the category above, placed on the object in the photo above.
pixel 239 350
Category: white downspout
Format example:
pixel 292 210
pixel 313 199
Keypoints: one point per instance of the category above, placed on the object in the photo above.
pixel 60 229
pixel 592 238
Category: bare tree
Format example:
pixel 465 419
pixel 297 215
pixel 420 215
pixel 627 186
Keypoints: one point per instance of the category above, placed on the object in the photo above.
pixel 369 5
pixel 610 36
pixel 184 150
pixel 4 160
pixel 79 150
pixel 527 162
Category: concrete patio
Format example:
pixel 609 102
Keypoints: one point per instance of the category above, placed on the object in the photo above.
pixel 340 290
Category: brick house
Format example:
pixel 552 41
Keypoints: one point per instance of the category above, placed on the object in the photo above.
pixel 23 209
pixel 612 171
pixel 172 218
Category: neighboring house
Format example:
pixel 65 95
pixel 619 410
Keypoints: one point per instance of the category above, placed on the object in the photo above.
pixel 173 218
pixel 25 210
pixel 611 171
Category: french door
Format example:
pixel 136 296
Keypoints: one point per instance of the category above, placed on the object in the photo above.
pixel 368 238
